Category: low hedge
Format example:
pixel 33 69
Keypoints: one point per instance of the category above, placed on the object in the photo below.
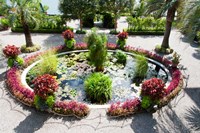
pixel 41 30
pixel 145 32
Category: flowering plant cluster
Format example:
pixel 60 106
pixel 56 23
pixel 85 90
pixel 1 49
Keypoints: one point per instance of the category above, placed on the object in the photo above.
pixel 122 36
pixel 81 46
pixel 176 77
pixel 45 85
pixel 123 109
pixel 17 89
pixel 68 34
pixel 71 108
pixel 153 88
pixel 111 46
pixel 11 51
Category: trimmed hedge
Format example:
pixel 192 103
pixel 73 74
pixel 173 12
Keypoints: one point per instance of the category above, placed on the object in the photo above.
pixel 145 32
pixel 41 30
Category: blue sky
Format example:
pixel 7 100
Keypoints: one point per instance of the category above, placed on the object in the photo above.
pixel 53 5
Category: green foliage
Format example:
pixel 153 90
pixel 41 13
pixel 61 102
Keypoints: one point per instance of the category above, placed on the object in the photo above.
pixel 114 32
pixel 50 101
pixel 76 9
pixel 88 20
pixel 4 23
pixel 70 43
pixel 18 60
pixel 33 48
pixel 121 57
pixel 97 49
pixel 121 43
pixel 145 24
pixel 160 49
pixel 48 64
pixel 189 18
pixel 44 104
pixel 146 102
pixel 98 88
pixel 81 32
pixel 141 67
pixel 108 21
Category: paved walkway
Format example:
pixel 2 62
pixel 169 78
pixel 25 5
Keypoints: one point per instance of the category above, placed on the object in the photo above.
pixel 182 115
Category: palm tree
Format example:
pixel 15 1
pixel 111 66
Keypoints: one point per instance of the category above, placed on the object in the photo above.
pixel 160 7
pixel 189 18
pixel 25 11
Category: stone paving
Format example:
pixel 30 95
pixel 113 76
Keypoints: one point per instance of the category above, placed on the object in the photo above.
pixel 182 115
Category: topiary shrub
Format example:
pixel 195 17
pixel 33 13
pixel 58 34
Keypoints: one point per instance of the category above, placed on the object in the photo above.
pixel 69 39
pixel 97 49
pixel 152 91
pixel 141 67
pixel 12 52
pixel 121 57
pixel 121 42
pixel 98 88
pixel 44 88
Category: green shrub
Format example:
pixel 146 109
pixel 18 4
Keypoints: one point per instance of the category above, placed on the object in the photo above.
pixel 98 88
pixel 4 22
pixel 34 48
pixel 114 32
pixel 44 104
pixel 108 21
pixel 48 64
pixel 121 57
pixel 18 60
pixel 70 43
pixel 88 20
pixel 141 67
pixel 160 49
pixel 81 32
pixel 97 49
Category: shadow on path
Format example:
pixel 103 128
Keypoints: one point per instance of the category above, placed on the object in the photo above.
pixel 33 122
pixel 143 123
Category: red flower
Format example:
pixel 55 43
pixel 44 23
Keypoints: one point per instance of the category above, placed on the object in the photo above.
pixel 123 35
pixel 45 85
pixel 11 51
pixel 68 34
pixel 154 88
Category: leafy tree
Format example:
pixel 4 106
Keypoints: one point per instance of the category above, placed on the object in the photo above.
pixel 3 7
pixel 25 11
pixel 116 7
pixel 77 9
pixel 159 7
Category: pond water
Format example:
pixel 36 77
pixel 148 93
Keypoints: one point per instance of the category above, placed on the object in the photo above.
pixel 74 68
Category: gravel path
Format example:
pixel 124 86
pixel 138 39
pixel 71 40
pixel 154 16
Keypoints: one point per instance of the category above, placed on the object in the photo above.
pixel 182 115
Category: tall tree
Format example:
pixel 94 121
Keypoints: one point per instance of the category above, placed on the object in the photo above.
pixel 189 15
pixel 77 9
pixel 160 7
pixel 116 7
pixel 25 11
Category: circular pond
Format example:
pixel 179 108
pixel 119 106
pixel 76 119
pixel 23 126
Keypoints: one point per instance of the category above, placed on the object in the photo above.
pixel 74 67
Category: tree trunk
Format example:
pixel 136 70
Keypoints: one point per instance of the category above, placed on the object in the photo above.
pixel 115 26
pixel 27 33
pixel 81 24
pixel 169 19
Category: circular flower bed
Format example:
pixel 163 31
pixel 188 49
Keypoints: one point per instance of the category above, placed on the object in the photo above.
pixel 26 95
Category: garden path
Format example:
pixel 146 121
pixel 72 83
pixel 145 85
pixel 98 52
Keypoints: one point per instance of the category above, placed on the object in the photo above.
pixel 182 115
